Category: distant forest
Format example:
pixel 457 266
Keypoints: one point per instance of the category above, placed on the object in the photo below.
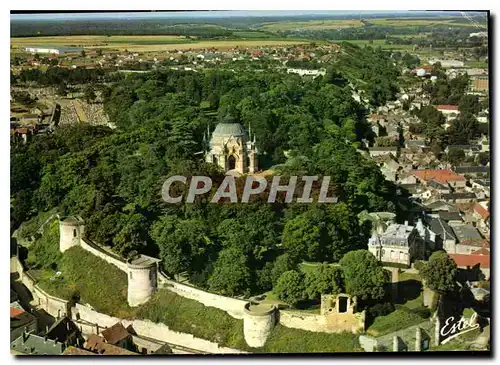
pixel 199 27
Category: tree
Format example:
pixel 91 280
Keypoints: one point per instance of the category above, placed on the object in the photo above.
pixel 82 53
pixel 305 236
pixel 99 52
pixel 282 264
pixel 456 156
pixel 36 57
pixel 463 129
pixel 290 287
pixel 469 104
pixel 324 280
pixel 483 158
pixel 440 273
pixel 231 274
pixel 89 94
pixel 364 275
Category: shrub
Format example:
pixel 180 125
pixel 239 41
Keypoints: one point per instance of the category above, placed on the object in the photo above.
pixel 44 252
pixel 380 309
pixel 419 265
pixel 290 287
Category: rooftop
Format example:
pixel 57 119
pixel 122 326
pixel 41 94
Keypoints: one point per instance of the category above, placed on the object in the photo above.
pixel 399 231
pixel 472 169
pixel 440 227
pixel 464 261
pixel 229 127
pixel 115 333
pixel 453 196
pixel 447 107
pixel 482 211
pixel 143 260
pixel 71 350
pixel 31 344
pixel 441 176
pixel 466 232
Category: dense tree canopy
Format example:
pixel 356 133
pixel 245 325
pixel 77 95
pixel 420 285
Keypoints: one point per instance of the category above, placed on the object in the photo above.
pixel 440 272
pixel 113 179
pixel 364 275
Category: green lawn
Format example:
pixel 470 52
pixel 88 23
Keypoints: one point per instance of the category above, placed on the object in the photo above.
pixel 394 321
pixel 290 340
pixel 476 64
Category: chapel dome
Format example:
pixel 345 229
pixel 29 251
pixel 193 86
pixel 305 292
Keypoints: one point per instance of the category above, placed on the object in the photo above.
pixel 229 127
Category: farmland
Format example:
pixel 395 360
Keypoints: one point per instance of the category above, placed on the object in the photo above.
pixel 311 25
pixel 145 43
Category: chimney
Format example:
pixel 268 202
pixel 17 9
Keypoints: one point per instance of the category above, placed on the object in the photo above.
pixel 406 223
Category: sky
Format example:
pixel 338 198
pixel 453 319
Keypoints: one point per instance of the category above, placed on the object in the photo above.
pixel 204 14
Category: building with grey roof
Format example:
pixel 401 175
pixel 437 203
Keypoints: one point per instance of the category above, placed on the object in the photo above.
pixel 398 244
pixel 30 344
pixel 459 197
pixel 444 236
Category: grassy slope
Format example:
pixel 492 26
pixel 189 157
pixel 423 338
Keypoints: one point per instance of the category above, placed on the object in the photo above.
pixel 97 282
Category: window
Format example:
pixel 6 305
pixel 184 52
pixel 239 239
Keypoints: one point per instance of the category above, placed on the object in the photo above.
pixel 130 275
pixel 231 162
pixel 74 232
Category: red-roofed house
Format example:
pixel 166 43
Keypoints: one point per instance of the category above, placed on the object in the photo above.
pixel 480 212
pixel 447 108
pixel 443 177
pixel 469 262
pixel 481 216
pixel 14 312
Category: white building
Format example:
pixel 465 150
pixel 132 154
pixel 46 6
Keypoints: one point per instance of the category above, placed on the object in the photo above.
pixel 305 72
pixel 52 50
pixel 398 244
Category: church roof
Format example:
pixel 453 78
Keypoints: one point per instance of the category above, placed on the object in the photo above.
pixel 229 127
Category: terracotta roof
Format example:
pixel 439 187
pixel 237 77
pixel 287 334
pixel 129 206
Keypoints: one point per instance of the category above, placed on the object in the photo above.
pixel 71 350
pixel 447 107
pixel 115 333
pixel 441 176
pixel 471 260
pixel 93 342
pixel 482 211
pixel 425 67
pixel 96 344
pixel 14 312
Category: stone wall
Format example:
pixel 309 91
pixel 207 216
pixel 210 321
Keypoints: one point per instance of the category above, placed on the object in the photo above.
pixel 329 323
pixel 56 307
pixel 88 318
pixel 94 250
pixel 233 307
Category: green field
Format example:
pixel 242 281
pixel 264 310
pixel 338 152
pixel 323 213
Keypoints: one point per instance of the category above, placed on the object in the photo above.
pixel 311 24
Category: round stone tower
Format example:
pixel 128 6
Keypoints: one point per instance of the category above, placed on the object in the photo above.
pixel 71 230
pixel 142 274
pixel 258 322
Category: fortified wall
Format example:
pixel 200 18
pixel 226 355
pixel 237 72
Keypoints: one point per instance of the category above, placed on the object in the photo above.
pixel 338 313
